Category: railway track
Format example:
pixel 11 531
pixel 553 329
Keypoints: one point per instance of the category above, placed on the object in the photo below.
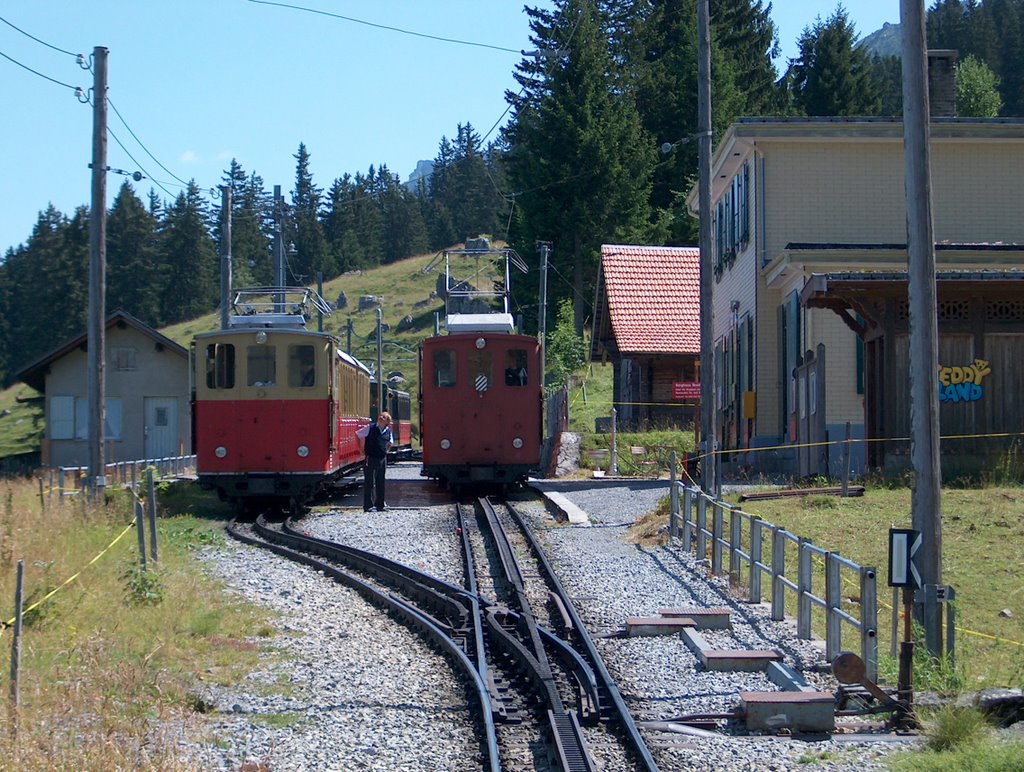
pixel 540 700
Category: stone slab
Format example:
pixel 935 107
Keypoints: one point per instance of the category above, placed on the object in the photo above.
pixel 795 711
pixel 706 618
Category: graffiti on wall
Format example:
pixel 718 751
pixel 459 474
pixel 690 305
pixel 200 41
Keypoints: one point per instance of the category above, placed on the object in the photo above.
pixel 963 384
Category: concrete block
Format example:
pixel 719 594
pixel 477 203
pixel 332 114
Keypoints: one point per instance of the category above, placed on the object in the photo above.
pixel 747 660
pixel 795 711
pixel 637 627
pixel 706 618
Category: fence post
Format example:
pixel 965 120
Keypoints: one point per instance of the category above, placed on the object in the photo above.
pixel 42 497
pixel 687 512
pixel 140 527
pixel 869 621
pixel 895 638
pixel 673 520
pixel 60 486
pixel 19 598
pixel 613 462
pixel 833 604
pixel 716 537
pixel 805 585
pixel 951 625
pixel 755 558
pixel 846 462
pixel 778 571
pixel 151 491
pixel 735 544
pixel 702 526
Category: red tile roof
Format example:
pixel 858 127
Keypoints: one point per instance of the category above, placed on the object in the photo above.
pixel 653 298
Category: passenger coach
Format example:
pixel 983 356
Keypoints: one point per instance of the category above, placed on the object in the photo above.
pixel 275 406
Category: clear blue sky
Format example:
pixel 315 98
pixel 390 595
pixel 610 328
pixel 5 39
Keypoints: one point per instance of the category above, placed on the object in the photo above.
pixel 199 82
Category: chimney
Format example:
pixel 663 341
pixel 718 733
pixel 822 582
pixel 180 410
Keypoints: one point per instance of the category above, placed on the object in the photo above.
pixel 942 83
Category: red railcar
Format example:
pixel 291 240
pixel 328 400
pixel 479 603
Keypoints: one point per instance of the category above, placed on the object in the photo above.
pixel 480 408
pixel 275 406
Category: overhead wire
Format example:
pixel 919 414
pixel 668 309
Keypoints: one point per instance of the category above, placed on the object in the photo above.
pixel 81 58
pixel 148 175
pixel 36 72
pixel 385 26
pixel 135 137
pixel 43 42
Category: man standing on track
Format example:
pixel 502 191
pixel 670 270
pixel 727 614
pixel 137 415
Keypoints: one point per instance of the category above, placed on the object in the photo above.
pixel 374 441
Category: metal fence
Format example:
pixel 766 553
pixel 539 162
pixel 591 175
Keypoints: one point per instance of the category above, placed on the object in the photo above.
pixel 71 480
pixel 752 551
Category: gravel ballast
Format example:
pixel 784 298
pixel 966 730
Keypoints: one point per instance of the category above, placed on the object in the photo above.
pixel 360 691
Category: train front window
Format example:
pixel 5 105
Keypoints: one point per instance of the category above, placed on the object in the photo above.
pixel 444 368
pixel 301 366
pixel 478 365
pixel 261 365
pixel 515 367
pixel 220 366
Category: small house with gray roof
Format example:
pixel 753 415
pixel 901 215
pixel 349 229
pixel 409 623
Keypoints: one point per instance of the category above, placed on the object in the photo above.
pixel 147 396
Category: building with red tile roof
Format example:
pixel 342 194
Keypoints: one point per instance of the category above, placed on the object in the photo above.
pixel 647 324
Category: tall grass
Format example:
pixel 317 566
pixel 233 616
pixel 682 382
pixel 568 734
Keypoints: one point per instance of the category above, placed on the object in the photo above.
pixel 112 664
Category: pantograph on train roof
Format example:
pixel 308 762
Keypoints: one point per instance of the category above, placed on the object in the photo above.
pixel 477 289
pixel 275 307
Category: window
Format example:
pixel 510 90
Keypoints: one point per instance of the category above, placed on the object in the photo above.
pixel 301 366
pixel 123 358
pixel 261 365
pixel 220 366
pixel 62 418
pixel 444 368
pixel 69 418
pixel 515 367
pixel 478 366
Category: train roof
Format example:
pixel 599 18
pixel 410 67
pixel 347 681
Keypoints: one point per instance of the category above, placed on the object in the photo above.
pixel 349 359
pixel 498 322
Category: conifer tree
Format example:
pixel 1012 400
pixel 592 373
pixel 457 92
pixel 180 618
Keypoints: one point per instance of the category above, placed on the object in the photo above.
pixel 305 231
pixel 831 76
pixel 251 241
pixel 191 256
pixel 135 277
pixel 579 157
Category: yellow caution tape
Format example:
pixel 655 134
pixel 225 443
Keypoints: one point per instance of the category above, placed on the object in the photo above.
pixel 70 579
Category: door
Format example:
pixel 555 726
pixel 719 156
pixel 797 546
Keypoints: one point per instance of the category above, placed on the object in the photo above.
pixel 161 429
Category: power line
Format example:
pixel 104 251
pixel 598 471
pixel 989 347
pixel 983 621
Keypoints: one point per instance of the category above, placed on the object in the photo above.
pixel 35 72
pixel 43 42
pixel 135 137
pixel 386 27
pixel 148 175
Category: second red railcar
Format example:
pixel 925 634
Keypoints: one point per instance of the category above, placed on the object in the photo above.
pixel 480 408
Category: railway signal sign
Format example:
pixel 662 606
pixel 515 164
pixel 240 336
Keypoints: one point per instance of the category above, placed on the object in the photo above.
pixel 903 545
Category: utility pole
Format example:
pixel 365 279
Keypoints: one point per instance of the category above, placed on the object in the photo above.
pixel 708 412
pixel 278 246
pixel 925 504
pixel 380 362
pixel 96 387
pixel 542 321
pixel 225 254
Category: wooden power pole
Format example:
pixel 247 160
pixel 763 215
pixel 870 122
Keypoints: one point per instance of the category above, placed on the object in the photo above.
pixel 706 243
pixel 225 255
pixel 924 357
pixel 96 387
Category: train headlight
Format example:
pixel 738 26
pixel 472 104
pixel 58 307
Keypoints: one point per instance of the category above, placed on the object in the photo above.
pixel 445 444
pixel 303 451
pixel 220 451
pixel 517 443
pixel 480 342
pixel 261 336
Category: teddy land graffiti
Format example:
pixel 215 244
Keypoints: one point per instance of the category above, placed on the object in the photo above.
pixel 963 384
